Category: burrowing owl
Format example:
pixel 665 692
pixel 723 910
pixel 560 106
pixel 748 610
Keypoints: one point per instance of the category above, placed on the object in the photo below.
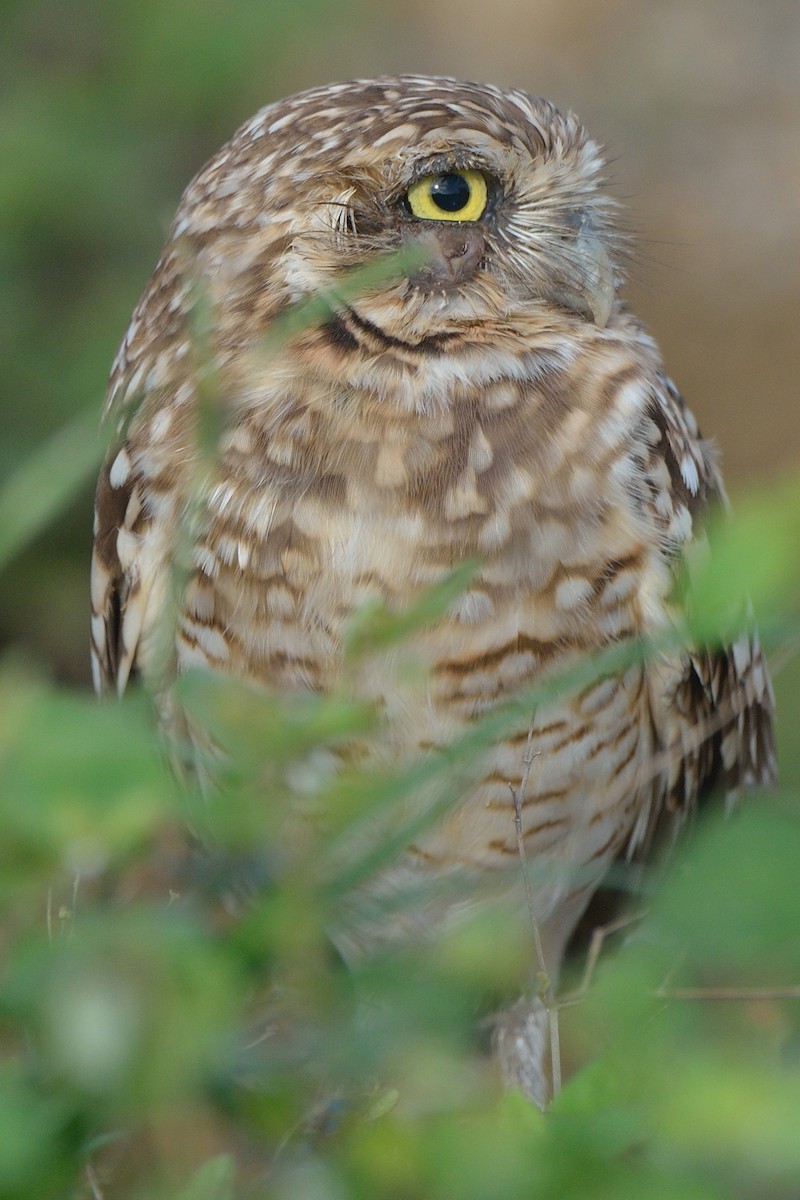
pixel 492 401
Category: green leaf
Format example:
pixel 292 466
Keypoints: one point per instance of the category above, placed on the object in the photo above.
pixel 753 560
pixel 45 483
pixel 214 1180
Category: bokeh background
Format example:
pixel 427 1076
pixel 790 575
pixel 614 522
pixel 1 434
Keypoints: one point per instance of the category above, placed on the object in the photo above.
pixel 126 1021
pixel 108 109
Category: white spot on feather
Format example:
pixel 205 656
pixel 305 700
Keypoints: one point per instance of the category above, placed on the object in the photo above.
pixel 480 451
pixel 472 608
pixel 98 629
pixel 281 122
pixel 120 469
pixel 406 133
pixel 160 424
pixel 128 549
pixel 573 591
pixel 208 639
pixel 689 474
pixel 681 525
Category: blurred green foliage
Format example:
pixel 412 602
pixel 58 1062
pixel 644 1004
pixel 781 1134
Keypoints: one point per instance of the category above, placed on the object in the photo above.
pixel 160 1041
pixel 107 112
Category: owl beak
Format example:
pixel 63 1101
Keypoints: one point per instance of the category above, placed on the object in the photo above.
pixel 590 289
pixel 451 254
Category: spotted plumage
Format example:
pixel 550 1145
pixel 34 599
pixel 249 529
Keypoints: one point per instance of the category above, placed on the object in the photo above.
pixel 492 401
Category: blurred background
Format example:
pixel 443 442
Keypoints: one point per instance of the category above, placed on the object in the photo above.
pixel 107 110
pixel 127 1024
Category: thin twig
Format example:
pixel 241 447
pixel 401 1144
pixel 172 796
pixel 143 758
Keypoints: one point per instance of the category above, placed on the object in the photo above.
pixel 599 935
pixel 94 1184
pixel 782 657
pixel 546 989
pixel 745 994
pixel 517 795
pixel 75 885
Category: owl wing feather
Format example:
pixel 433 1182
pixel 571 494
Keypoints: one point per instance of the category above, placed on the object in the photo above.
pixel 720 727
pixel 131 576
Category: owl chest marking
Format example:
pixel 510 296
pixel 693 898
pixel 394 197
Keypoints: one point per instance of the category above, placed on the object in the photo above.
pixel 344 499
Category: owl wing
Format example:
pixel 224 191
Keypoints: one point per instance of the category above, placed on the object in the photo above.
pixel 140 490
pixel 719 729
pixel 131 575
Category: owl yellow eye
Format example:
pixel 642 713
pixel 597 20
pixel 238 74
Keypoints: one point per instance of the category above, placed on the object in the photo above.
pixel 453 196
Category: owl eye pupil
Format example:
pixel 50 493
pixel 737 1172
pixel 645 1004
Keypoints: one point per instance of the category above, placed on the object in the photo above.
pixel 450 192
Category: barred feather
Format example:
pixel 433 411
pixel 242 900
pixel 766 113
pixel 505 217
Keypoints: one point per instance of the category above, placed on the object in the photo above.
pixel 496 403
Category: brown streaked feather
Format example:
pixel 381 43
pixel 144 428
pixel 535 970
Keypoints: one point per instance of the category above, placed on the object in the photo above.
pixel 109 586
pixel 107 580
pixel 720 732
pixel 515 414
pixel 130 574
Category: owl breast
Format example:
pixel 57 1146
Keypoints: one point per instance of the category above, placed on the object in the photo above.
pixel 323 506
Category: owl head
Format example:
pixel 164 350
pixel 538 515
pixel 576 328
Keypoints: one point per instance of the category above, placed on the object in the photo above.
pixel 488 201
pixel 496 191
